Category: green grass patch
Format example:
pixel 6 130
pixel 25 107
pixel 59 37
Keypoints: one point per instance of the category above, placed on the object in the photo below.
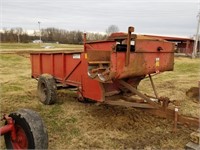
pixel 188 66
pixel 10 58
pixel 5 46
pixel 9 88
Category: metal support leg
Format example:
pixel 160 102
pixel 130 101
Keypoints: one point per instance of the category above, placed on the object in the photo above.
pixel 135 91
pixel 154 89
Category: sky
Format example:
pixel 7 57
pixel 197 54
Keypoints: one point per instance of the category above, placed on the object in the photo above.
pixel 168 17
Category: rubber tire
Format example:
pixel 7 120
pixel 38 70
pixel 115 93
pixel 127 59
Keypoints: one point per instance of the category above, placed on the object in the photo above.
pixel 47 82
pixel 33 127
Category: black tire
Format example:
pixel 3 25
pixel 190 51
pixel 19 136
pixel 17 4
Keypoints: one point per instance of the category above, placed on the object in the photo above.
pixel 47 89
pixel 30 130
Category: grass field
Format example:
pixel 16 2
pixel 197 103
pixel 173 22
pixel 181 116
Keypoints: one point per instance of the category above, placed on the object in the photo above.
pixel 26 47
pixel 74 125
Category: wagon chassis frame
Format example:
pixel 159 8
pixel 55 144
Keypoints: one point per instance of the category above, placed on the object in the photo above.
pixel 157 106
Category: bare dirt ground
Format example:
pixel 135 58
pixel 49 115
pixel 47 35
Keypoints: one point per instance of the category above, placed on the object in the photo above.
pixel 75 125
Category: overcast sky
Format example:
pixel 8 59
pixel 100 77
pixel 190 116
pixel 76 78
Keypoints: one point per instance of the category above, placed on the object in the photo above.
pixel 170 17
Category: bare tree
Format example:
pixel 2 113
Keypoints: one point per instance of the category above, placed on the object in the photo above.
pixel 96 36
pixel 18 31
pixel 111 29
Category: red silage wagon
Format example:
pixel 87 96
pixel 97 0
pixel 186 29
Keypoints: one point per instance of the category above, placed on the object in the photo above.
pixel 96 70
pixel 109 72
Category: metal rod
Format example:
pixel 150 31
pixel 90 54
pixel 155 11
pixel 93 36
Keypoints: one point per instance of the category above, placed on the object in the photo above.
pixel 9 127
pixel 154 89
pixel 128 104
pixel 132 99
pixel 135 91
pixel 130 29
pixel 169 114
pixel 72 71
pixel 5 129
pixel 175 119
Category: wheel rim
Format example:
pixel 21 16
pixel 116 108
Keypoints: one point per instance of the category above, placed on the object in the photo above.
pixel 21 141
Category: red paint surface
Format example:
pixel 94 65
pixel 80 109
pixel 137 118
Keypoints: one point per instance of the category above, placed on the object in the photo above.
pixel 73 71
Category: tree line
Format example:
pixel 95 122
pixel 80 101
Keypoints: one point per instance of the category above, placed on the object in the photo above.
pixel 15 35
pixel 52 35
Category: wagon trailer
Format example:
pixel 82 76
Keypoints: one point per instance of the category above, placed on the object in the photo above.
pixel 109 71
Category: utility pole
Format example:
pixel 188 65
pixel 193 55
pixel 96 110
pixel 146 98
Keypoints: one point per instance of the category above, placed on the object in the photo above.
pixel 194 53
pixel 40 31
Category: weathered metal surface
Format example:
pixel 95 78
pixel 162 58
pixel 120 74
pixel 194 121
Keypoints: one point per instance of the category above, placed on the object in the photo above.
pixel 100 45
pixel 153 86
pixel 98 55
pixel 155 46
pixel 185 45
pixel 142 64
pixel 69 69
pixel 130 29
pixel 128 104
pixel 148 56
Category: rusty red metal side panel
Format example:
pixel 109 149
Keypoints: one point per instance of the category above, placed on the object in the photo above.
pixel 150 56
pixel 68 69
pixel 142 45
pixel 91 89
pixel 35 65
pixel 73 69
pixel 46 63
pixel 141 64
pixel 58 66
pixel 101 45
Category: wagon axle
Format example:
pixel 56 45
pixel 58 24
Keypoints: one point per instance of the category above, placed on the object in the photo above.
pixel 9 127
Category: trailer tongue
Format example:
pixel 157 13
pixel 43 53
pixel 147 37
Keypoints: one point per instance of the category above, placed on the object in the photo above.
pixel 109 72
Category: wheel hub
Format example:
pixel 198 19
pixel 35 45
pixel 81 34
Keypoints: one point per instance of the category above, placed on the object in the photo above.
pixel 21 141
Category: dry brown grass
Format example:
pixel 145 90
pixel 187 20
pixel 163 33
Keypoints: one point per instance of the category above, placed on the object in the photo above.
pixel 74 125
